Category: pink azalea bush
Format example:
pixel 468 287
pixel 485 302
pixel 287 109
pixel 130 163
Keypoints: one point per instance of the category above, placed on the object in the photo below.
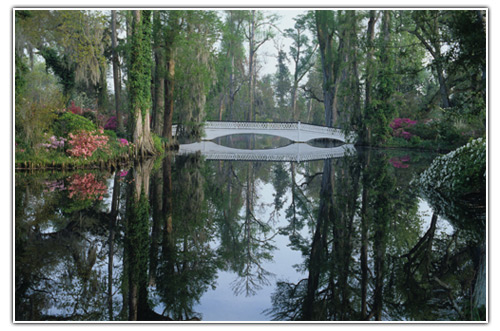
pixel 85 143
pixel 399 125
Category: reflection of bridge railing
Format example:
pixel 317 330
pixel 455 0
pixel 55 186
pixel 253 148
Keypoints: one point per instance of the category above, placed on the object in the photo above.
pixel 292 152
pixel 295 131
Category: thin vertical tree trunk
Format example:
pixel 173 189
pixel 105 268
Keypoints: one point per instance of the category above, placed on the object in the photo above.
pixel 325 40
pixel 366 131
pixel 251 73
pixel 159 76
pixel 169 97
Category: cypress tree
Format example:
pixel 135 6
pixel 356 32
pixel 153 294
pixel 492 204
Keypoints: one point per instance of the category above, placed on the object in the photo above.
pixel 140 84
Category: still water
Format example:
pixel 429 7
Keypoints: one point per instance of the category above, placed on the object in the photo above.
pixel 183 238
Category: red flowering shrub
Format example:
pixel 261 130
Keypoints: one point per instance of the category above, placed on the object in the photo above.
pixel 111 124
pixel 399 126
pixel 86 187
pixel 75 109
pixel 85 143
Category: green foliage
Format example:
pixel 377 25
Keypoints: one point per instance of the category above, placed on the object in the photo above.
pixel 62 68
pixel 382 106
pixel 229 66
pixel 426 131
pixel 20 77
pixel 72 123
pixel 111 134
pixel 36 106
pixel 158 143
pixel 282 82
pixel 195 55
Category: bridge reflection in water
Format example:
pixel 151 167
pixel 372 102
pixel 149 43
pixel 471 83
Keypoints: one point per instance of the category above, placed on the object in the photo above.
pixel 297 152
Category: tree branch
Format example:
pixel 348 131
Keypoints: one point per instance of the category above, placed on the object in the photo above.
pixel 311 93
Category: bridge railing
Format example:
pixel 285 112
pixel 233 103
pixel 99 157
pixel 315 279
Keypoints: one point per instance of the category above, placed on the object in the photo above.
pixel 321 129
pixel 251 125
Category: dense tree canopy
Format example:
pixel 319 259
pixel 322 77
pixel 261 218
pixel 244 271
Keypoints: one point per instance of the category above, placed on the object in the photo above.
pixel 358 70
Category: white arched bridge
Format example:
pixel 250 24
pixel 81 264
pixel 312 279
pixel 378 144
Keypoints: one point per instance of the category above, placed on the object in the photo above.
pixel 291 152
pixel 294 131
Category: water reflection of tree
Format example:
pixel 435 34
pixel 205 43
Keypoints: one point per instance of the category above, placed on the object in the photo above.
pixel 368 259
pixel 245 235
pixel 255 237
pixel 186 264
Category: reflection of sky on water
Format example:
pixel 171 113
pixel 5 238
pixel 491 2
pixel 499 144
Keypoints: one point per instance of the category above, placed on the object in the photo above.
pixel 222 305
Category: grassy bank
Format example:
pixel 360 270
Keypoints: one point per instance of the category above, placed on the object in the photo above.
pixel 115 154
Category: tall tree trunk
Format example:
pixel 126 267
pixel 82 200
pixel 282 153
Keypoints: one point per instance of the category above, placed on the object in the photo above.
pixel 116 73
pixel 173 30
pixel 231 90
pixel 370 33
pixel 294 101
pixel 159 76
pixel 169 97
pixel 251 70
pixel 443 89
pixel 325 39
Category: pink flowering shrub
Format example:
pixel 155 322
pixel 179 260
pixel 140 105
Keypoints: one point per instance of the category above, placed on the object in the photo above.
pixel 399 126
pixel 86 187
pixel 123 142
pixel 85 143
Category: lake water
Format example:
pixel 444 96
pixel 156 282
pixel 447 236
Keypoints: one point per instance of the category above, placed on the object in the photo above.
pixel 183 238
